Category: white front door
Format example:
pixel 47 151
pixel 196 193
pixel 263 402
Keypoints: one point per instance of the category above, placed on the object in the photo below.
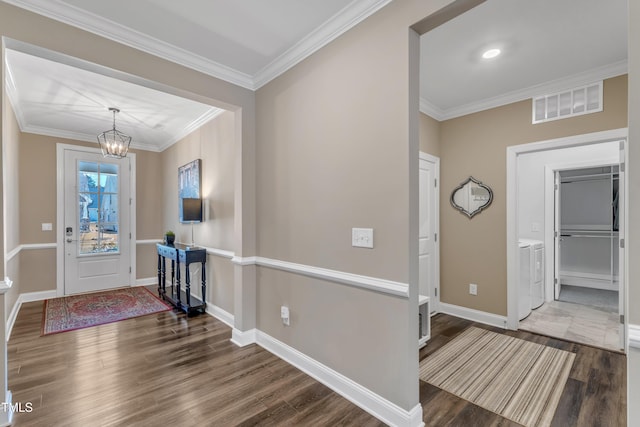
pixel 428 259
pixel 96 230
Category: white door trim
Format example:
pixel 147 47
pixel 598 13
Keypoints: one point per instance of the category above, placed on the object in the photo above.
pixel 60 149
pixel 435 303
pixel 512 196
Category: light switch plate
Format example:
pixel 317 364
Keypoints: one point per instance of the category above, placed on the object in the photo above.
pixel 284 315
pixel 473 289
pixel 47 226
pixel 362 237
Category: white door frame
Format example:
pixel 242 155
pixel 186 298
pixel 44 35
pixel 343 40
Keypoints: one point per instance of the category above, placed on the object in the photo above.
pixel 434 305
pixel 512 218
pixel 60 149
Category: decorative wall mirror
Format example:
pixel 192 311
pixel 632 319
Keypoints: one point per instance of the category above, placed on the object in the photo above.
pixel 471 197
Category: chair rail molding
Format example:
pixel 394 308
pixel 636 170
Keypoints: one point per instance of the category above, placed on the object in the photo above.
pixel 634 336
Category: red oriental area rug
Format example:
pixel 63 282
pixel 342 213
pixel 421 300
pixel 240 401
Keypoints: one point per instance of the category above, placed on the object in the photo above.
pixel 83 311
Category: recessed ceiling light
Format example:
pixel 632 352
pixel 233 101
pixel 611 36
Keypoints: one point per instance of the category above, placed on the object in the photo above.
pixel 491 53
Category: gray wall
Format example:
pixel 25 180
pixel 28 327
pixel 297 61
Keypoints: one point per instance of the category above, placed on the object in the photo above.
pixel 634 207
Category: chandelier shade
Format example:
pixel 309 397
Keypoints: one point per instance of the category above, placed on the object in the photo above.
pixel 114 143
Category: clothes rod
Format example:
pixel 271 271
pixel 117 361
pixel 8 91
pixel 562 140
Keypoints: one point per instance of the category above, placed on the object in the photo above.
pixel 606 236
pixel 580 178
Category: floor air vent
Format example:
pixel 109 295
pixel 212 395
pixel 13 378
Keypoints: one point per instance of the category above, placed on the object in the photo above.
pixel 574 102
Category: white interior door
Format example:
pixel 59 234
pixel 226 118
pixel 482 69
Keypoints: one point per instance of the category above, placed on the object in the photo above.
pixel 96 230
pixel 557 238
pixel 428 254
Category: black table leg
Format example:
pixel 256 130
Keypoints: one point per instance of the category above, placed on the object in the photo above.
pixel 204 286
pixel 160 258
pixel 178 286
pixel 163 281
pixel 187 282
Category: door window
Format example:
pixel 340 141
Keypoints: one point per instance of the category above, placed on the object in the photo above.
pixel 98 204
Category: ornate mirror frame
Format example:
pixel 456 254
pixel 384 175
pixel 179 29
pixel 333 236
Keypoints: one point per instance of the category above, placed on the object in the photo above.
pixel 467 187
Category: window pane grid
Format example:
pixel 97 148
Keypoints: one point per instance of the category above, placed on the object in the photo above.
pixel 98 208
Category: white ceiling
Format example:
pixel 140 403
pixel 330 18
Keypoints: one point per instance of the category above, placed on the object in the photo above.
pixel 247 43
pixel 72 102
pixel 547 45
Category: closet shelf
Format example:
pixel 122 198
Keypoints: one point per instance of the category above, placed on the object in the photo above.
pixel 588 227
pixel 588 233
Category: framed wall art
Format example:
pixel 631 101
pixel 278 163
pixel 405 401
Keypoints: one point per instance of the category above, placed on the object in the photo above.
pixel 188 183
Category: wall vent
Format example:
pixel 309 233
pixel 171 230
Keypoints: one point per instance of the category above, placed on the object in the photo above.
pixel 574 102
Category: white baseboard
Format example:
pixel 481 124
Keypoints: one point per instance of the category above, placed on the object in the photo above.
pixel 593 281
pixel 212 309
pixel 473 315
pixel 6 416
pixel 37 296
pixel 386 411
pixel 22 298
pixel 147 281
pixel 12 318
pixel 243 339
pixel 220 314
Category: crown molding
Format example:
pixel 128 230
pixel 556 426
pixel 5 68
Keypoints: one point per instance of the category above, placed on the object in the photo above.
pixel 95 24
pixel 347 18
pixel 77 136
pixel 209 115
pixel 12 94
pixel 338 24
pixel 431 110
pixel 580 79
pixel 58 133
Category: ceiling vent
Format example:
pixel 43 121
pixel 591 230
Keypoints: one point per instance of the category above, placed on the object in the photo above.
pixel 574 102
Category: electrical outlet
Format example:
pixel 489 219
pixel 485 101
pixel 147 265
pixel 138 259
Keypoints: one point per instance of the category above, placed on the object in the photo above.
pixel 473 289
pixel 284 315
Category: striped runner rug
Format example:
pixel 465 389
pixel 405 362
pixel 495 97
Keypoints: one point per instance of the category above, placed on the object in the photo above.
pixel 514 378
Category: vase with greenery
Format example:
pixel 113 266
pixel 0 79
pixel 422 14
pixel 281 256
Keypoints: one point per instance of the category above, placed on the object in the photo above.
pixel 169 237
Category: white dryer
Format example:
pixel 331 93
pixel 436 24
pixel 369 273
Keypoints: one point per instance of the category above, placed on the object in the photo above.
pixel 524 279
pixel 536 264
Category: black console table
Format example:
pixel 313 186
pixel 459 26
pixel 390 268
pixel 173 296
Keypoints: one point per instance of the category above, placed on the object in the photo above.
pixel 181 298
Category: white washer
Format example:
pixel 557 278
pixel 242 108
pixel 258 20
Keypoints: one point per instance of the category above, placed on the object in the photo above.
pixel 524 279
pixel 537 271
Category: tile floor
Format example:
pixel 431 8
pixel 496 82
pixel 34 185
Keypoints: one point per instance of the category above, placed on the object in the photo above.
pixel 575 322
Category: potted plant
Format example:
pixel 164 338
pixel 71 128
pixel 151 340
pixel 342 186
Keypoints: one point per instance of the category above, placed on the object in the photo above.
pixel 169 237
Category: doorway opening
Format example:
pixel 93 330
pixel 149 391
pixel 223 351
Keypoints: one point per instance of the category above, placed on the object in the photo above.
pixel 569 197
pixel 586 288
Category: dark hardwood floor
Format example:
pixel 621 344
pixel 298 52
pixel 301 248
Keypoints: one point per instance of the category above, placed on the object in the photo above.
pixel 161 370
pixel 594 396
pixel 165 369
